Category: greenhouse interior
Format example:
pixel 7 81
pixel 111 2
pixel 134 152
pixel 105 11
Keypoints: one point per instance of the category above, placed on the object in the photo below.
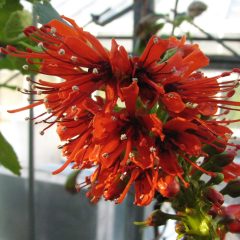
pixel 119 120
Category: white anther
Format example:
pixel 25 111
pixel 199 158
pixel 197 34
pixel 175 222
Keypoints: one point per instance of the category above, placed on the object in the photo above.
pixel 155 40
pixel 39 92
pixel 236 83
pixel 152 149
pixel 61 51
pixel 28 79
pixel 27 118
pixel 74 107
pixel 141 196
pixel 25 67
pixel 45 100
pixel 64 128
pixel 75 88
pixel 227 135
pixel 105 155
pixel 131 155
pixel 128 161
pixel 170 95
pixel 123 176
pixel 191 105
pixel 73 58
pixel 134 79
pixel 76 118
pixel 53 30
pixel 32 86
pixel 113 118
pixel 40 44
pixel 85 146
pixel 49 110
pixel 123 137
pixel 66 152
pixel 95 71
pixel 41 133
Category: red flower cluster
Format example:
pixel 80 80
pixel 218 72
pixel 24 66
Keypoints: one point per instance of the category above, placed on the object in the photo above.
pixel 168 110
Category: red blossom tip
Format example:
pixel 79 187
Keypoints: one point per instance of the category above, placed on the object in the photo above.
pixel 236 70
pixel 3 50
pixel 30 30
pixel 11 48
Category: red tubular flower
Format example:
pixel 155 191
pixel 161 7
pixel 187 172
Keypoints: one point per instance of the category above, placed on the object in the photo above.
pixel 166 117
pixel 165 71
pixel 168 186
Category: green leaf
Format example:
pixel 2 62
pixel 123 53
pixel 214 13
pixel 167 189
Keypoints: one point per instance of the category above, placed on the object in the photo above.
pixel 70 184
pixel 8 157
pixel 13 63
pixel 9 7
pixel 2 3
pixel 15 24
pixel 168 54
pixel 46 12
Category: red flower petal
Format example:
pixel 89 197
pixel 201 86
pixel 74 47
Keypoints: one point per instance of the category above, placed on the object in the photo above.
pixel 173 102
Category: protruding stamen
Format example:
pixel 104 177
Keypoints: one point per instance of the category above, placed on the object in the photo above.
pixel 105 155
pixel 123 137
pixel 95 71
pixel 76 118
pixel 113 118
pixel 134 79
pixel 45 100
pixel 25 67
pixel 42 133
pixel 39 92
pixel 74 58
pixel 27 118
pixel 75 88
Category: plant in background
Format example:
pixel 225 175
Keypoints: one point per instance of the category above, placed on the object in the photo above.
pixel 170 128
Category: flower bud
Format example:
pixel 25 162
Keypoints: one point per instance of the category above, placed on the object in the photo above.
pixel 234 226
pixel 232 189
pixel 218 161
pixel 196 8
pixel 214 196
pixel 216 179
